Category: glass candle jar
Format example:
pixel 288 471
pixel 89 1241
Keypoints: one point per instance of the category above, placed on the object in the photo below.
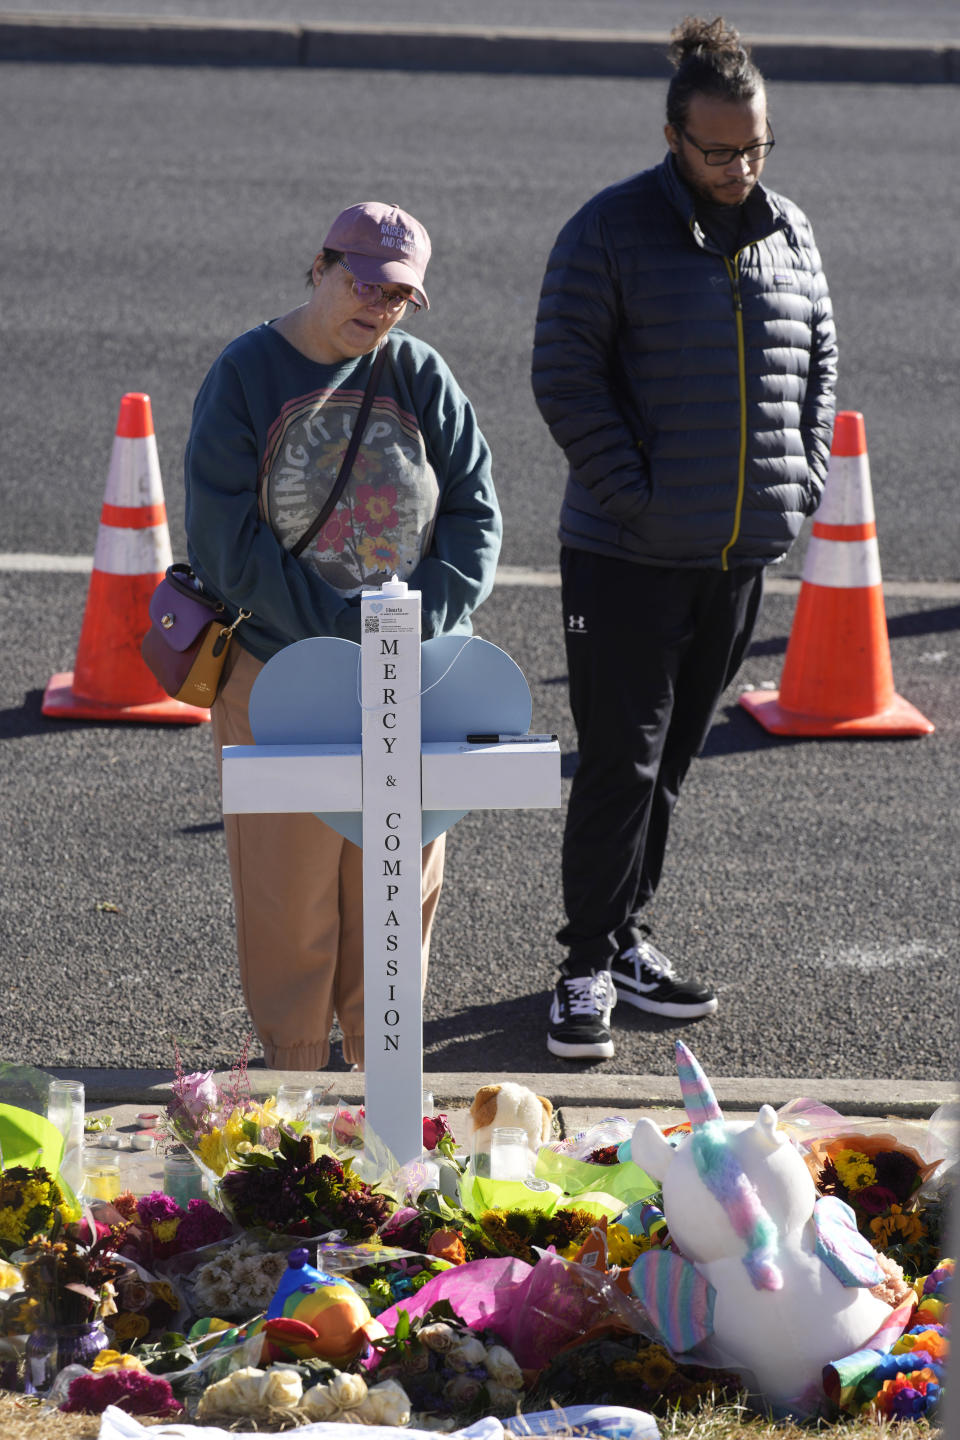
pixel 182 1179
pixel 509 1155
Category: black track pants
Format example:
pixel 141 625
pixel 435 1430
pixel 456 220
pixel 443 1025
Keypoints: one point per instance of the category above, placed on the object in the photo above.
pixel 650 650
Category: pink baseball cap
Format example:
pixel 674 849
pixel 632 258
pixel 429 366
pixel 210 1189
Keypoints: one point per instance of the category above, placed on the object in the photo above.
pixel 382 242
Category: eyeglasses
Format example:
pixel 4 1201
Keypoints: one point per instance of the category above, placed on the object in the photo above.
pixel 750 153
pixel 372 294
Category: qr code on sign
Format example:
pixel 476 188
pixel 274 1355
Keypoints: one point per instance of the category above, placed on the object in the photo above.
pixel 371 624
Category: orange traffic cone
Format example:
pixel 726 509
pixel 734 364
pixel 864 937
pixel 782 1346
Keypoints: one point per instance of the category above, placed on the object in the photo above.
pixel 837 679
pixel 110 680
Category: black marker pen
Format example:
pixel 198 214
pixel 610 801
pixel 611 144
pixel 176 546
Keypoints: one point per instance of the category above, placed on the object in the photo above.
pixel 509 739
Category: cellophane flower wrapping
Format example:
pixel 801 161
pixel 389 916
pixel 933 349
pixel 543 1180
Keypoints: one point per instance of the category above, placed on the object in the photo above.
pixel 563 1300
pixel 482 1292
pixel 895 1177
pixel 536 1309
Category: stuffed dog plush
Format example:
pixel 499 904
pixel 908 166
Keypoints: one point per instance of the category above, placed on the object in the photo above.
pixel 508 1104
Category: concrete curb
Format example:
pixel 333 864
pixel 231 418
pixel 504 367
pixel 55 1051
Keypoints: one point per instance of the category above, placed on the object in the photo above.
pixel 487 50
pixel 605 1094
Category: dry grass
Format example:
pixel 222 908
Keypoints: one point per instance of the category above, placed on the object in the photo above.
pixel 23 1419
pixel 729 1422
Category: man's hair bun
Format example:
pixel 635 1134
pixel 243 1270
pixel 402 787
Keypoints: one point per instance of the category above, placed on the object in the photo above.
pixel 710 59
pixel 703 38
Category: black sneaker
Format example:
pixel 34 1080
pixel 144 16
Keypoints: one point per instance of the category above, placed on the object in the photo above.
pixel 645 978
pixel 580 1017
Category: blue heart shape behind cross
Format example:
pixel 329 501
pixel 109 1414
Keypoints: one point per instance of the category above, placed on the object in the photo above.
pixel 309 694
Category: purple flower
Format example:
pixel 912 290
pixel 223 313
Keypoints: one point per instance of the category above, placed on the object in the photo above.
pixel 875 1199
pixel 403 1229
pixel 157 1206
pixel 203 1224
pixel 897 1172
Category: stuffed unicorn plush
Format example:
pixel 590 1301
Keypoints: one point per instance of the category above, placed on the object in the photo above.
pixel 779 1278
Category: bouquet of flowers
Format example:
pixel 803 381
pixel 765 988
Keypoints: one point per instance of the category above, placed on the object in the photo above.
pixel 67 1284
pixel 880 1179
pixel 120 1380
pixel 31 1203
pixel 282 1396
pixel 219 1125
pixel 151 1228
pixel 447 1368
pixel 295 1191
pixel 238 1279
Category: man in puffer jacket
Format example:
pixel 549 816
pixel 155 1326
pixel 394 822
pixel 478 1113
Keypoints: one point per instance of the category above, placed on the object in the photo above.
pixel 685 360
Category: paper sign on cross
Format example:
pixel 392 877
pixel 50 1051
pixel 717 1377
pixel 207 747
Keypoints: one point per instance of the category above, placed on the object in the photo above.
pixel 372 738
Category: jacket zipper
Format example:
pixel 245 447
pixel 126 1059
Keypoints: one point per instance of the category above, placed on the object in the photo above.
pixel 733 270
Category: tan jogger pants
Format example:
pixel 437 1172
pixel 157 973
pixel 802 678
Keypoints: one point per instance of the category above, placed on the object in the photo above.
pixel 298 899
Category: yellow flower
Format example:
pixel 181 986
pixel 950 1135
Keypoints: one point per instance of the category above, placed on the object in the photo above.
pixel 656 1367
pixel 129 1327
pixel 113 1360
pixel 622 1247
pixel 235 1134
pixel 378 553
pixel 35 1192
pixel 265 1113
pixel 165 1292
pixel 855 1169
pixel 165 1230
pixel 9 1224
pixel 906 1223
pixel 213 1151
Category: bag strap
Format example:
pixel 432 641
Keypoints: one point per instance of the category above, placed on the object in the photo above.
pixel 347 464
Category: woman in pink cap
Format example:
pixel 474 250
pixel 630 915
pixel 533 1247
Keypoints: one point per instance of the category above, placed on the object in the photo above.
pixel 280 526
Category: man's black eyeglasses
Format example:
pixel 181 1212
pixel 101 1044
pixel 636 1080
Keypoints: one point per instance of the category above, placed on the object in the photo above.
pixel 750 153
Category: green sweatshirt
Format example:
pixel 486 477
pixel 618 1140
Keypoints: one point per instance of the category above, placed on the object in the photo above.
pixel 269 430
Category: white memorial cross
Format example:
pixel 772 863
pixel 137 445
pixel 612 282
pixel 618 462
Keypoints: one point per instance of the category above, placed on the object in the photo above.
pixel 391 774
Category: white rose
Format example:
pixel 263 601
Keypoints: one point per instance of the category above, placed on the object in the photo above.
pixel 502 1368
pixel 349 1391
pixel 438 1337
pixel 238 1393
pixel 386 1404
pixel 318 1403
pixel 466 1354
pixel 280 1389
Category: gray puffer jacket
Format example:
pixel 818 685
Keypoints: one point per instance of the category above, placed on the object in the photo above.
pixel 691 393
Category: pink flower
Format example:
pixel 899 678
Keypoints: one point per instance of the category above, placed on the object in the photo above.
pixel 198 1093
pixel 347 1127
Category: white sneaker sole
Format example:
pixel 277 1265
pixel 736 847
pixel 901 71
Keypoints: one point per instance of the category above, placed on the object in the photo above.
pixel 567 1050
pixel 668 1007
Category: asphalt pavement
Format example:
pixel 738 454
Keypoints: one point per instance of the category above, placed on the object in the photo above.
pixel 849 964
pixel 865 45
